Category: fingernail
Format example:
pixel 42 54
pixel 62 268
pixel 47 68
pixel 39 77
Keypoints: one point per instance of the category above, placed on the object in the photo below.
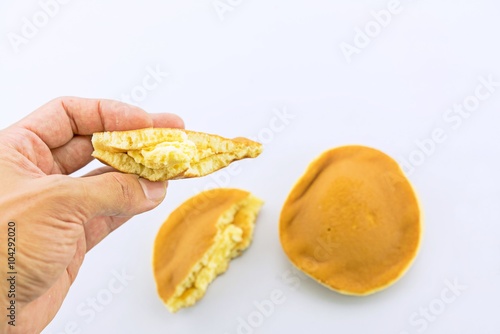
pixel 154 191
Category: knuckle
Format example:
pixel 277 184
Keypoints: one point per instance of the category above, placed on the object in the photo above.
pixel 124 188
pixel 60 187
pixel 58 100
pixel 64 196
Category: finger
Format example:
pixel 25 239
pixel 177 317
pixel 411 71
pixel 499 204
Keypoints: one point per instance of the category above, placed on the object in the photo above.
pixel 98 228
pixel 116 194
pixel 100 170
pixel 171 121
pixel 73 155
pixel 113 198
pixel 59 120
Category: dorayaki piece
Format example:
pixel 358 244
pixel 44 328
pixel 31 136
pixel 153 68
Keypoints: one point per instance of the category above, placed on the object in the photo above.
pixel 160 154
pixel 197 241
pixel 352 222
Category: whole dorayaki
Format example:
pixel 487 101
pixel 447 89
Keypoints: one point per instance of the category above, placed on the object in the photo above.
pixel 352 222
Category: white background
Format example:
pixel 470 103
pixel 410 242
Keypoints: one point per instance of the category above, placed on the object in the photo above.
pixel 231 77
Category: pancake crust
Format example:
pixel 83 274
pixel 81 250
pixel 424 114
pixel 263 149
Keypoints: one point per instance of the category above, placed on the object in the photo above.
pixel 352 222
pixel 197 241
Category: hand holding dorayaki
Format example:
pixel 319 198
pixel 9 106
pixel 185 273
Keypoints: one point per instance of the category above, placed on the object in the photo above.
pixel 59 218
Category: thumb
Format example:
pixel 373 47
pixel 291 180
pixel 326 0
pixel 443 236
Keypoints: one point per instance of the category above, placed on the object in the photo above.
pixel 117 194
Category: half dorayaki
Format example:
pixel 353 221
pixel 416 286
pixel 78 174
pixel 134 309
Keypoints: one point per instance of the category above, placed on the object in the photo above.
pixel 352 222
pixel 197 241
pixel 159 154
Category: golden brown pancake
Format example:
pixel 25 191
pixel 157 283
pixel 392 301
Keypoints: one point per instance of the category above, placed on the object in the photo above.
pixel 352 222
pixel 160 154
pixel 197 241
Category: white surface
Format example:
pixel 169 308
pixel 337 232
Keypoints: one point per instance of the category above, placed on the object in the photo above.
pixel 229 77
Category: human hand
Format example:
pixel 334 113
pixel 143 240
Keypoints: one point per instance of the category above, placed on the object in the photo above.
pixel 59 218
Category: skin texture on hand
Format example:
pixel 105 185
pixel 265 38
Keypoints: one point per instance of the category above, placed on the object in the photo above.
pixel 59 218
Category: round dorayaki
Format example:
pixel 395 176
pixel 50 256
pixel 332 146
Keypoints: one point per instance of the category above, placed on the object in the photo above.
pixel 352 222
pixel 197 241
